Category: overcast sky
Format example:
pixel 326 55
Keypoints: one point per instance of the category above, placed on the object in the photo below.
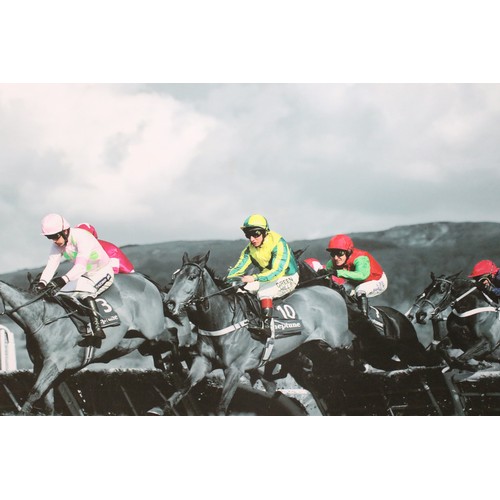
pixel 154 163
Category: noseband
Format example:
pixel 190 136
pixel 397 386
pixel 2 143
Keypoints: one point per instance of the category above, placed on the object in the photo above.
pixel 199 296
pixel 438 308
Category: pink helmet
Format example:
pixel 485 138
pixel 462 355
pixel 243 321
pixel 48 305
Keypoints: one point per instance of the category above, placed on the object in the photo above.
pixel 53 224
pixel 483 267
pixel 340 242
pixel 88 227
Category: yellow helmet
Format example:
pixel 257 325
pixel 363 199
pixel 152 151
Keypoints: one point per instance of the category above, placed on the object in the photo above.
pixel 255 221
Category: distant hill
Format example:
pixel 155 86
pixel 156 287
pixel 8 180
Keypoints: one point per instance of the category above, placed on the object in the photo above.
pixel 407 253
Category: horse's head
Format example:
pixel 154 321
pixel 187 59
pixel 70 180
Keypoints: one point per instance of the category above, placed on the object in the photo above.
pixel 32 281
pixel 436 297
pixel 188 283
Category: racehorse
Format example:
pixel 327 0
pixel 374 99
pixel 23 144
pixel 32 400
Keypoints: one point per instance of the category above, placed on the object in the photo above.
pixel 473 323
pixel 385 335
pixel 224 339
pixel 52 336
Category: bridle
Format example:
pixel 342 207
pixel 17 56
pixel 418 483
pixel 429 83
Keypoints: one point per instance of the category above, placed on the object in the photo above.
pixel 447 302
pixel 443 303
pixel 199 299
pixel 199 296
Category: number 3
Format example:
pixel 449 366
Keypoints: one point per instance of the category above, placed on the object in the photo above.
pixel 105 306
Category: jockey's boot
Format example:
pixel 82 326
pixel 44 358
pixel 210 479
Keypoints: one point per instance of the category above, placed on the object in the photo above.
pixel 363 304
pixel 266 306
pixel 94 318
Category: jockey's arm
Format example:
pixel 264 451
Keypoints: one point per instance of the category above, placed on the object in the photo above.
pixel 53 262
pixel 241 266
pixel 361 270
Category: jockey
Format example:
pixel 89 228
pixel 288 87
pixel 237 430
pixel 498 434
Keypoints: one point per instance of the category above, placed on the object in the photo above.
pixel 91 274
pixel 119 260
pixel 277 269
pixel 487 274
pixel 358 267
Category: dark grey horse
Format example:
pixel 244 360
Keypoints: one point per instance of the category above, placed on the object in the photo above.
pixel 226 342
pixel 52 336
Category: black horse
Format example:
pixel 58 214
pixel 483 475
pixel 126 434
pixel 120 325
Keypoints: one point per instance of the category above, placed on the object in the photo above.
pixel 386 339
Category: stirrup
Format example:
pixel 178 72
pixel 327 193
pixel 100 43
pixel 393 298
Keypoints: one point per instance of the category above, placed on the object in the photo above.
pixel 90 341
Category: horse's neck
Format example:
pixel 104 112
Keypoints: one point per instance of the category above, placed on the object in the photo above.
pixel 221 307
pixel 461 286
pixel 25 317
pixel 465 293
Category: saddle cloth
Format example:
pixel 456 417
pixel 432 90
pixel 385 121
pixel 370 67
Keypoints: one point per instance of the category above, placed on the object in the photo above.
pixel 286 320
pixel 107 314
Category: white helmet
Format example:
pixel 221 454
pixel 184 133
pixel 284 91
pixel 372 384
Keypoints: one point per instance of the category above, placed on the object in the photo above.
pixel 53 224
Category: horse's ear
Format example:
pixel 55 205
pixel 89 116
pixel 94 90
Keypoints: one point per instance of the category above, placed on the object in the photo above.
pixel 433 276
pixel 456 275
pixel 298 253
pixel 185 258
pixel 204 260
pixel 30 277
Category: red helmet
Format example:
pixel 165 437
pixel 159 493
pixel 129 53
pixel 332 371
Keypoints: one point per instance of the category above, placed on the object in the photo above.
pixel 340 242
pixel 88 227
pixel 483 267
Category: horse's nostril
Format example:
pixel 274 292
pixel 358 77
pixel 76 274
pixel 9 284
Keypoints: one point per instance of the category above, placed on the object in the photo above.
pixel 420 316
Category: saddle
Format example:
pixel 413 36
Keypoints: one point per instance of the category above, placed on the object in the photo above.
pixel 375 316
pixel 286 321
pixel 78 312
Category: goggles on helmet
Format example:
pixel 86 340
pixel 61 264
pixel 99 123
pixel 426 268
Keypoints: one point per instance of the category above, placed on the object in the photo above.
pixel 253 232
pixel 54 237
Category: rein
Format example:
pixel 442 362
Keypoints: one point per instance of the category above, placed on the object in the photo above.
pixel 15 309
pixel 29 302
pixel 491 308
pixel 438 308
pixel 203 298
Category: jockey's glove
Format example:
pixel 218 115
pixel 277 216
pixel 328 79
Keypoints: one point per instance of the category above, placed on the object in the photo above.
pixel 39 287
pixel 55 285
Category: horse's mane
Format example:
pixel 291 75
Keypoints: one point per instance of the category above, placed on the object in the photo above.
pixel 218 280
pixel 15 287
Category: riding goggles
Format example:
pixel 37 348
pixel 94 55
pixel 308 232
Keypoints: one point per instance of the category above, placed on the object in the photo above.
pixel 54 237
pixel 254 233
pixel 337 253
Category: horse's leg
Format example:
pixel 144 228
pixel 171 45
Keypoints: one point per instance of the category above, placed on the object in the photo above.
pixel 232 377
pixel 48 399
pixel 479 349
pixel 44 382
pixel 200 368
pixel 303 377
pixel 268 384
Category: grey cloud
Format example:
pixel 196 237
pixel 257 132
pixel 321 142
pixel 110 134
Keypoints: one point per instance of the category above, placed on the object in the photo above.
pixel 315 159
